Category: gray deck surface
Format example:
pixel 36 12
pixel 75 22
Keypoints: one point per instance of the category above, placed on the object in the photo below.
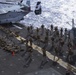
pixel 49 71
pixel 14 65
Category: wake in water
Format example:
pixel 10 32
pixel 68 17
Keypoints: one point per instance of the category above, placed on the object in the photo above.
pixel 57 12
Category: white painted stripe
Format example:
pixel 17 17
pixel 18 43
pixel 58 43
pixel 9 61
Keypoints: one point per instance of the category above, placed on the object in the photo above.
pixel 17 27
pixel 50 56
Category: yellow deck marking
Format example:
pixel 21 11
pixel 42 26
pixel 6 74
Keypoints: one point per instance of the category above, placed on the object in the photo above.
pixel 50 56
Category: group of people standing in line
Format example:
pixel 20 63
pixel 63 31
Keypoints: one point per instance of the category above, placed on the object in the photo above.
pixel 59 40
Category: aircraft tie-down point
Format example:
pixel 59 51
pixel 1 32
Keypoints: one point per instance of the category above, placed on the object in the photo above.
pixel 16 12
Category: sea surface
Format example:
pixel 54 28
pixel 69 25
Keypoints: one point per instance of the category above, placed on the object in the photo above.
pixel 57 12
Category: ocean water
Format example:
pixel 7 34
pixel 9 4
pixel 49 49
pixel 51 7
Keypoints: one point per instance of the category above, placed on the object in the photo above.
pixel 57 12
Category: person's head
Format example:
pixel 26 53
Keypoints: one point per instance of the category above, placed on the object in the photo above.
pixel 65 29
pixel 56 28
pixel 39 2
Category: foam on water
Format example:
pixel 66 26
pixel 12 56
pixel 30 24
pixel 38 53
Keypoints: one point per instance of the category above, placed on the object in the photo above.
pixel 56 12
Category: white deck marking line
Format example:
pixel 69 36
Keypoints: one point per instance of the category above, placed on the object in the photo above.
pixel 17 27
pixel 50 56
